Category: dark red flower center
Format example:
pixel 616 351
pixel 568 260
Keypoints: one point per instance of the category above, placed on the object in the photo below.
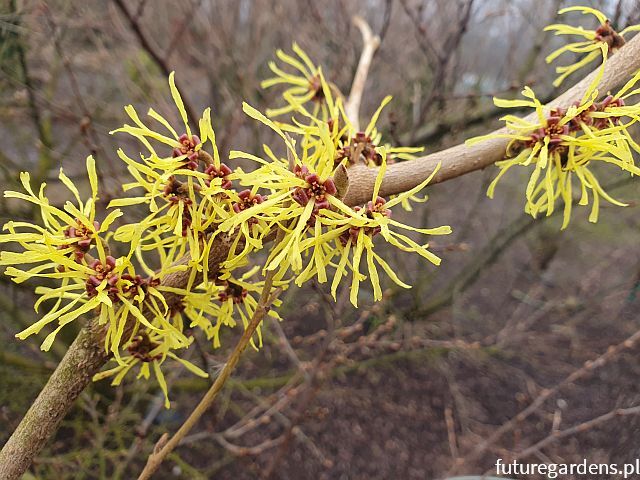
pixel 101 272
pixel 83 237
pixel 141 347
pixel 248 200
pixel 372 207
pixel 223 172
pixel 188 147
pixel 316 189
pixel 234 291
pixel 315 86
pixel 606 33
pixel 360 145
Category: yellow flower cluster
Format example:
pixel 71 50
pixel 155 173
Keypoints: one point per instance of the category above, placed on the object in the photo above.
pixel 596 44
pixel 183 201
pixel 324 237
pixel 563 145
pixel 72 249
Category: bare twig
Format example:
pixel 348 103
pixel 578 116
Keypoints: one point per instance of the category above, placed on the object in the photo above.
pixel 313 383
pixel 440 53
pixel 589 367
pixel 244 451
pixel 266 300
pixel 576 429
pixel 371 44
pixel 386 19
pixel 87 129
pixel 159 60
pixel 184 25
pixel 286 346
pixel 451 431
pixel 43 126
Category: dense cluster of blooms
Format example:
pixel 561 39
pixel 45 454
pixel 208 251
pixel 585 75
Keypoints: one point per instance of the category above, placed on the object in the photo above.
pixel 191 203
pixel 187 206
pixel 564 144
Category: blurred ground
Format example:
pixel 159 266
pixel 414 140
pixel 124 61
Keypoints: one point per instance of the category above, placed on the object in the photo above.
pixel 414 387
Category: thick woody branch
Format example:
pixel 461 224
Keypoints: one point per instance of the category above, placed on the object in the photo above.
pixel 83 359
pixel 461 159
pixel 86 355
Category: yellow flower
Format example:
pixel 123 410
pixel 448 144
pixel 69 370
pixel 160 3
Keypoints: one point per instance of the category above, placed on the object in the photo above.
pixel 148 350
pixel 187 194
pixel 109 287
pixel 71 230
pixel 350 145
pixel 238 296
pixel 364 146
pixel 596 44
pixel 350 237
pixel 307 84
pixel 185 147
pixel 191 202
pixel 564 144
pixel 174 226
pixel 222 302
pixel 70 249
pixel 298 190
pixel 320 231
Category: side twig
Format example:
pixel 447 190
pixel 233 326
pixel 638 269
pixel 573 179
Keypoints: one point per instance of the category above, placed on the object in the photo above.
pixel 571 431
pixel 159 60
pixel 160 452
pixel 589 367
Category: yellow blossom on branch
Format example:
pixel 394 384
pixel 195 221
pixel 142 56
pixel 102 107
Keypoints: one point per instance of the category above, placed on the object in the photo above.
pixel 148 351
pixel 71 249
pixel 563 145
pixel 322 232
pixel 595 45
pixel 306 84
pixel 189 200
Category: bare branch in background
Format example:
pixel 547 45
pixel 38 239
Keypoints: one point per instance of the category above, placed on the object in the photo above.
pixel 587 369
pixel 87 129
pixel 160 61
pixel 42 125
pixel 371 44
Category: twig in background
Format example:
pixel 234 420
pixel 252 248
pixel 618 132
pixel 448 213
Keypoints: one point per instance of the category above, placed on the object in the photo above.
pixel 160 61
pixel 587 369
pixel 371 44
